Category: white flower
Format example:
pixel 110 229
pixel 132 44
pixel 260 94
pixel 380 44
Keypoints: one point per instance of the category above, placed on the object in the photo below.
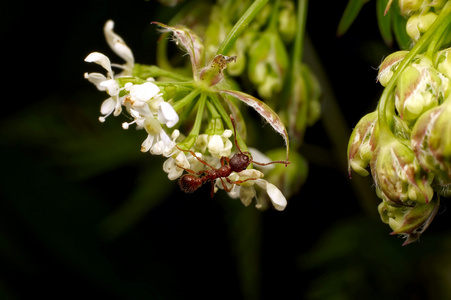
pixel 145 101
pixel 246 189
pixel 158 142
pixel 118 45
pixel 217 145
pixel 98 78
pixel 105 83
pixel 170 166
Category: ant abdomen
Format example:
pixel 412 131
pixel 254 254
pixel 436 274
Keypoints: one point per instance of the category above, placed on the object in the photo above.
pixel 190 183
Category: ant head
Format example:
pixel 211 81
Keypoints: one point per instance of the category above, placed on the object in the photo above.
pixel 240 161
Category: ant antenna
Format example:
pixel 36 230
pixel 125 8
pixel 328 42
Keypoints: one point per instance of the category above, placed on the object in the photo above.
pixel 285 162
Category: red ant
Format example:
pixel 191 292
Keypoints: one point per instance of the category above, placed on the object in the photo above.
pixel 189 183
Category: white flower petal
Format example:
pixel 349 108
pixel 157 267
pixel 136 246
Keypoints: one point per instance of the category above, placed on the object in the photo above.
pixel 170 167
pixel 102 60
pixel 145 146
pixel 118 45
pixel 107 106
pixel 144 92
pixel 167 114
pixel 215 145
pixel 247 193
pixel 111 86
pixel 96 79
pixel 277 198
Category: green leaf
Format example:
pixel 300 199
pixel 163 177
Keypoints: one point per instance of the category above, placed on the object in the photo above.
pixel 350 14
pixel 384 21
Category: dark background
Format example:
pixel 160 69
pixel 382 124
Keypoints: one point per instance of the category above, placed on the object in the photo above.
pixel 84 214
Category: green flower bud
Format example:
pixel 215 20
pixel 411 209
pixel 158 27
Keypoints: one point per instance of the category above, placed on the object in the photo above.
pixel 409 221
pixel 418 90
pixel 397 174
pixel 431 139
pixel 443 62
pixel 418 24
pixel 360 147
pixel 287 21
pixel 389 65
pixel 268 63
pixel 409 6
pixel 213 73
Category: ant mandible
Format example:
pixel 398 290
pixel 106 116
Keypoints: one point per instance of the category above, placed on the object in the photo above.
pixel 190 182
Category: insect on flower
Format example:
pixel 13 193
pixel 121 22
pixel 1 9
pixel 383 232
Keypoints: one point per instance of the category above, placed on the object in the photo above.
pixel 190 182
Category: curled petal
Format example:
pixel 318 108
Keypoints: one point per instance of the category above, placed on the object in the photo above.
pixel 118 45
pixel 145 146
pixel 96 79
pixel 102 60
pixel 277 198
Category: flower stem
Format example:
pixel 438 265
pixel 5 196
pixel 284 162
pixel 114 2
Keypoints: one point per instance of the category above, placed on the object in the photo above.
pixel 146 71
pixel 199 115
pixel 187 99
pixel 226 118
pixel 240 26
pixel 298 48
pixel 433 35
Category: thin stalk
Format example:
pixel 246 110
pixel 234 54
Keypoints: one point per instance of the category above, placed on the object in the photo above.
pixel 145 71
pixel 199 115
pixel 226 118
pixel 298 47
pixel 187 99
pixel 240 26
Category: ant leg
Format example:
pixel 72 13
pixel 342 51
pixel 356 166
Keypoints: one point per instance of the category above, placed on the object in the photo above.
pixel 240 181
pixel 194 154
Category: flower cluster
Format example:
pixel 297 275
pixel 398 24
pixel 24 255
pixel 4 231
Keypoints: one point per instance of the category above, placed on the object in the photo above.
pixel 163 103
pixel 405 142
pixel 268 56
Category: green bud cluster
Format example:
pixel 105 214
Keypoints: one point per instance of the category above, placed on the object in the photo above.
pixel 420 15
pixel 262 50
pixel 405 144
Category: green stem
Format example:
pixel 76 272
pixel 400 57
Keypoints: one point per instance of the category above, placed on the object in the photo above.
pixel 189 141
pixel 212 110
pixel 187 99
pixel 434 31
pixel 146 71
pixel 274 19
pixel 199 115
pixel 298 48
pixel 226 118
pixel 240 26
